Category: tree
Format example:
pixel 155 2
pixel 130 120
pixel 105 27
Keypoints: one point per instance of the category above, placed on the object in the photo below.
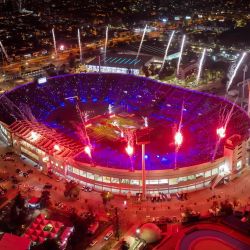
pixel 117 224
pixel 124 245
pixel 19 201
pixel 145 70
pixel 49 244
pixel 19 211
pixel 62 69
pixel 226 208
pixel 45 199
pixel 106 196
pixel 80 228
pixel 72 190
pixel 71 60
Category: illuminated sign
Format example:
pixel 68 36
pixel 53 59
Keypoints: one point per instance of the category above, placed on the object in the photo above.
pixel 42 80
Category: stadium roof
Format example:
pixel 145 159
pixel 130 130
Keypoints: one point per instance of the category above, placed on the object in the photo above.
pixel 122 61
pixel 46 139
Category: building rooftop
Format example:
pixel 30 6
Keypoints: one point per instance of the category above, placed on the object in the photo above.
pixel 42 229
pixel 122 61
pixel 46 138
pixel 11 242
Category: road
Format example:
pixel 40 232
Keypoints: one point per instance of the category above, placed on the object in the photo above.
pixel 100 240
pixel 43 60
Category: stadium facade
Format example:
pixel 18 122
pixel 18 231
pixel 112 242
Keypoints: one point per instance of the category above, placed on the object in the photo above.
pixel 55 151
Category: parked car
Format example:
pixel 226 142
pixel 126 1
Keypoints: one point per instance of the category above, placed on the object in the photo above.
pixel 92 243
pixel 59 179
pixel 25 174
pixel 8 159
pixel 108 235
pixel 87 189
pixel 93 227
pixel 47 185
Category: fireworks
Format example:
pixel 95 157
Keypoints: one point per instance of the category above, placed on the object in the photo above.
pixel 221 132
pixel 142 39
pixel 54 41
pixel 181 52
pixel 86 116
pixel 87 150
pixel 178 138
pixel 4 51
pixel 235 70
pixel 79 44
pixel 106 43
pixel 166 52
pixel 110 108
pixel 145 119
pixel 200 66
pixel 129 149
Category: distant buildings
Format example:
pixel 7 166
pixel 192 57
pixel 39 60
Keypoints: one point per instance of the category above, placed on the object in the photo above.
pixel 120 63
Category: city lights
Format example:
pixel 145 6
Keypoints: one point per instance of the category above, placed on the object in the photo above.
pixel 142 39
pixel 167 49
pixel 95 100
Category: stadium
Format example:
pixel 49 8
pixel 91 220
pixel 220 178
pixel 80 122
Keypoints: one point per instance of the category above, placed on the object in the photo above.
pixel 100 128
